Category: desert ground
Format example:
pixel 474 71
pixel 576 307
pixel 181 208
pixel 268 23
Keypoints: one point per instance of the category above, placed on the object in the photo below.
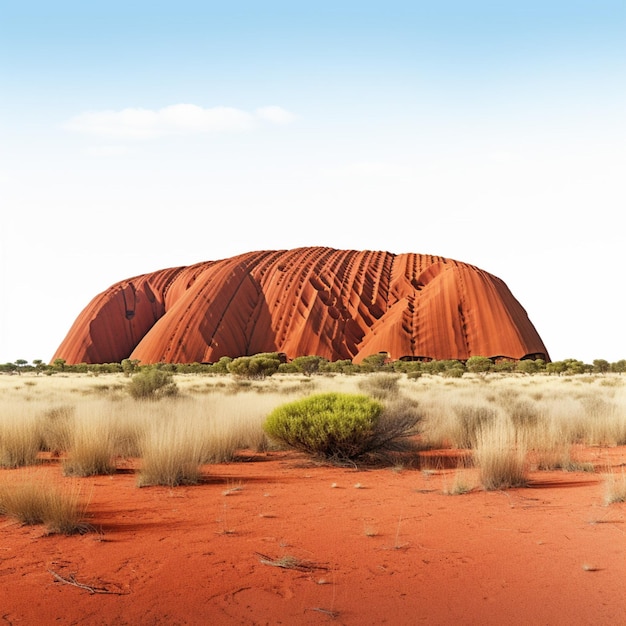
pixel 273 536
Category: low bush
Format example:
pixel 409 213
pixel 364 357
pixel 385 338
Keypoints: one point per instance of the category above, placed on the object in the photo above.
pixel 152 383
pixel 337 427
pixel 256 367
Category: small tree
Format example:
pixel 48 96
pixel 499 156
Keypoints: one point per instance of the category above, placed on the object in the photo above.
pixel 40 366
pixel 59 365
pixel 601 366
pixel 129 366
pixel 619 367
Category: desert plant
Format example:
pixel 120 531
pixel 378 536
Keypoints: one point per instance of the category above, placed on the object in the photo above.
pixel 500 456
pixel 171 453
pixel 308 364
pixel 461 484
pixel 55 425
pixel 256 367
pixel 30 502
pixel 380 386
pixel 396 428
pixel 152 383
pixel 19 441
pixel 91 447
pixel 471 419
pixel 479 364
pixel 615 486
pixel 334 426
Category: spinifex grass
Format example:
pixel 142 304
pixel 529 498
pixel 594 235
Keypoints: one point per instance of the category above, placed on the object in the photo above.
pixel 29 501
pixel 92 445
pixel 171 453
pixel 615 487
pixel 19 440
pixel 500 456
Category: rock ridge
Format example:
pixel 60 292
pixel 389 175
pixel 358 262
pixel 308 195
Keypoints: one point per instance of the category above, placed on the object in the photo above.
pixel 337 304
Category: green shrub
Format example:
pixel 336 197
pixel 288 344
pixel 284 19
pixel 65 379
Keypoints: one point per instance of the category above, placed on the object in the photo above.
pixel 308 364
pixel 333 426
pixel 256 367
pixel 479 365
pixel 152 383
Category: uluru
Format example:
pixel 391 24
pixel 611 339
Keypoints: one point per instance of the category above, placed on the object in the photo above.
pixel 336 304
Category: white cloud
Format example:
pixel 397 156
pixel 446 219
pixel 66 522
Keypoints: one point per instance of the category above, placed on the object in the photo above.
pixel 173 120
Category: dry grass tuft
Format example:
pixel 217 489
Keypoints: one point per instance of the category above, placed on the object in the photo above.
pixel 500 457
pixel 615 488
pixel 19 440
pixel 171 453
pixel 92 446
pixel 29 502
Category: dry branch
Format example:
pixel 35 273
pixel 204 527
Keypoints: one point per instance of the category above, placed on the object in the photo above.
pixel 291 562
pixel 91 589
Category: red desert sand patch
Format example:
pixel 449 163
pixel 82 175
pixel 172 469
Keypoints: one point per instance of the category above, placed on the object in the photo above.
pixel 276 539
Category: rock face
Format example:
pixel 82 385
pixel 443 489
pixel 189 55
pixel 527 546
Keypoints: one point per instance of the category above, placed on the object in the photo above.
pixel 337 304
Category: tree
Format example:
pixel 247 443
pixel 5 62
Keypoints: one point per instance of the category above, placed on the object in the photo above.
pixel 40 366
pixel 600 366
pixel 619 367
pixel 129 366
pixel 59 364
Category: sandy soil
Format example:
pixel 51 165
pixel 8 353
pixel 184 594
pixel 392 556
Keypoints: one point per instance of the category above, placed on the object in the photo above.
pixel 275 539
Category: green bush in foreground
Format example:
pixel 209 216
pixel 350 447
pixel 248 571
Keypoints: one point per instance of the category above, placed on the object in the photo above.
pixel 335 426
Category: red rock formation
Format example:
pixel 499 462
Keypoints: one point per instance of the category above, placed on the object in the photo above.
pixel 338 304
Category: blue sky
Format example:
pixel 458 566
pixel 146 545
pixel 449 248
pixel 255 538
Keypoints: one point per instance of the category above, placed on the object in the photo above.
pixel 141 135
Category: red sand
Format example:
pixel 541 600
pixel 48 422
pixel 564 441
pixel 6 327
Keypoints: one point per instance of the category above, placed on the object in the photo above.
pixel 394 551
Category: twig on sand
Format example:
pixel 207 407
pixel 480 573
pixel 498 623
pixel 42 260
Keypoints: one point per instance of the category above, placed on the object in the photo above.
pixel 72 581
pixel 290 562
pixel 332 614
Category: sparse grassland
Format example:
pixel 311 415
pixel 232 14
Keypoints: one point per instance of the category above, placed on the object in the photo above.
pixel 508 424
pixel 378 525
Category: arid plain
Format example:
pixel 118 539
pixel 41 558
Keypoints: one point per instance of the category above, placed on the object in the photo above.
pixel 272 536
